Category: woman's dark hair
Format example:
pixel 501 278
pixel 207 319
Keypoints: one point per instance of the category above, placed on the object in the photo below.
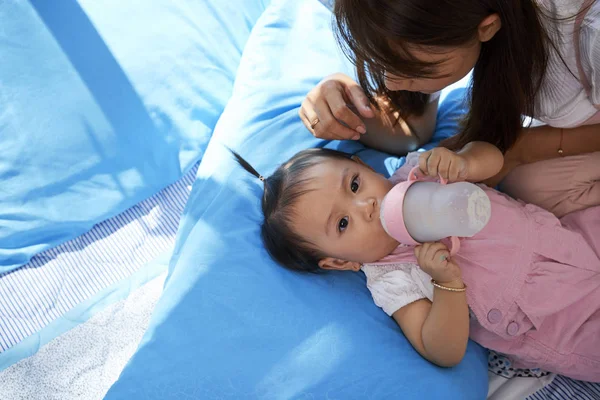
pixel 282 189
pixel 507 75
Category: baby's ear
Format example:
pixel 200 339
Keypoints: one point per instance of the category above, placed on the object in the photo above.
pixel 338 265
pixel 361 162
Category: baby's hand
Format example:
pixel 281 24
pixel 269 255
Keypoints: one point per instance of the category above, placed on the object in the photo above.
pixel 434 259
pixel 444 163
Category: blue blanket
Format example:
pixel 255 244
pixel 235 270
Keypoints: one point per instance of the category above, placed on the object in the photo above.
pixel 103 104
pixel 233 325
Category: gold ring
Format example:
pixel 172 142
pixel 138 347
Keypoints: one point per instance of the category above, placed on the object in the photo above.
pixel 314 123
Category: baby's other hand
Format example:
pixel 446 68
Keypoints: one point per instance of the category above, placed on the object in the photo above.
pixel 445 164
pixel 434 259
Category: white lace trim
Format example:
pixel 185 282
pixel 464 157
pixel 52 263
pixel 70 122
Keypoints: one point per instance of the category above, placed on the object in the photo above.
pixel 396 285
pixel 374 271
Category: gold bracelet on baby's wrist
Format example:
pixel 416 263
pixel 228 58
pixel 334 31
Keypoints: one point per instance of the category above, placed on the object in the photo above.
pixel 437 285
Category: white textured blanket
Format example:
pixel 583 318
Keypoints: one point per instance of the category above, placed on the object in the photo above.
pixel 84 362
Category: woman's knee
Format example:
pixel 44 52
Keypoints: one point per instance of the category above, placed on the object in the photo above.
pixel 560 185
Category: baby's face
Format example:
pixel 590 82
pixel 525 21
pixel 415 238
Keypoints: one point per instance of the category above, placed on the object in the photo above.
pixel 340 213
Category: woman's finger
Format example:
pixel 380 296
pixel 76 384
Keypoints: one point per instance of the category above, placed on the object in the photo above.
pixel 340 110
pixel 310 120
pixel 316 116
pixel 307 114
pixel 306 121
pixel 326 126
pixel 310 115
pixel 359 100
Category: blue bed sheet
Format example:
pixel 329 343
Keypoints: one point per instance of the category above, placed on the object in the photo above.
pixel 233 325
pixel 103 104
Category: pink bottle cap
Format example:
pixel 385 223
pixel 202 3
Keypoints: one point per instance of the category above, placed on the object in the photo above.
pixel 392 215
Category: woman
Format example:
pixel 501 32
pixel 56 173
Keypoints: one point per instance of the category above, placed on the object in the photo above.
pixel 538 59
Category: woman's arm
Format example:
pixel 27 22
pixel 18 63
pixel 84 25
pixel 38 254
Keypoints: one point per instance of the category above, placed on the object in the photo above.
pixel 439 331
pixel 338 109
pixel 543 142
pixel 392 134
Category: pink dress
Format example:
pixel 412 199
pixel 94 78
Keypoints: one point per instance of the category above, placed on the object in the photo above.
pixel 533 285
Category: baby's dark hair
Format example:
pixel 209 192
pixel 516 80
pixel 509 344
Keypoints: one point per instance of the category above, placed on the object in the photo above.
pixel 282 189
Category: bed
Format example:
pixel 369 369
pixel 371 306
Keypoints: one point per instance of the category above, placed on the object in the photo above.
pixel 84 310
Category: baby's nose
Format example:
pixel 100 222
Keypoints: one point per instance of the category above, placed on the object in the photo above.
pixel 369 208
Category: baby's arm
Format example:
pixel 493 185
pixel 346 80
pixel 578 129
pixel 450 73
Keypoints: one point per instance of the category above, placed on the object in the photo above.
pixel 484 160
pixel 475 162
pixel 438 330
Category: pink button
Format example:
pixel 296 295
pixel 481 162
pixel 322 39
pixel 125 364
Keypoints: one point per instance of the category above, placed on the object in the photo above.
pixel 494 316
pixel 512 329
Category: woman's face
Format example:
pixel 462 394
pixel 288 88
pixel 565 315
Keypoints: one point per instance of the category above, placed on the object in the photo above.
pixel 452 65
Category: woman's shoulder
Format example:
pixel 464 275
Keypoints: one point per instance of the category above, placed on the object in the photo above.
pixel 563 99
pixel 561 8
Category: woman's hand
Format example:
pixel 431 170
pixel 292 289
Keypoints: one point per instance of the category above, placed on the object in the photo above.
pixel 327 111
pixel 434 259
pixel 444 163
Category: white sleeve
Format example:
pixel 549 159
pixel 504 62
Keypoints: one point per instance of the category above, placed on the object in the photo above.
pixel 434 96
pixel 394 288
pixel 594 65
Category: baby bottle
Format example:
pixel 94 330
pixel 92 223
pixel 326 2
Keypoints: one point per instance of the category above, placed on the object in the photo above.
pixel 415 211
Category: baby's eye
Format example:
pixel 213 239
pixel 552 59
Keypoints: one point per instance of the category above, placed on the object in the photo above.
pixel 355 184
pixel 343 224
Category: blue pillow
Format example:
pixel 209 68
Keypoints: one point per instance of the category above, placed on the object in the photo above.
pixel 231 324
pixel 102 104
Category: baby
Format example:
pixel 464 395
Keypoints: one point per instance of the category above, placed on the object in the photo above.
pixel 526 285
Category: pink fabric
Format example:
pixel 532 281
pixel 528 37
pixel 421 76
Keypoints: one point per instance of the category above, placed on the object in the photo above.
pixel 534 286
pixel 560 185
pixel 392 211
pixel 402 173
